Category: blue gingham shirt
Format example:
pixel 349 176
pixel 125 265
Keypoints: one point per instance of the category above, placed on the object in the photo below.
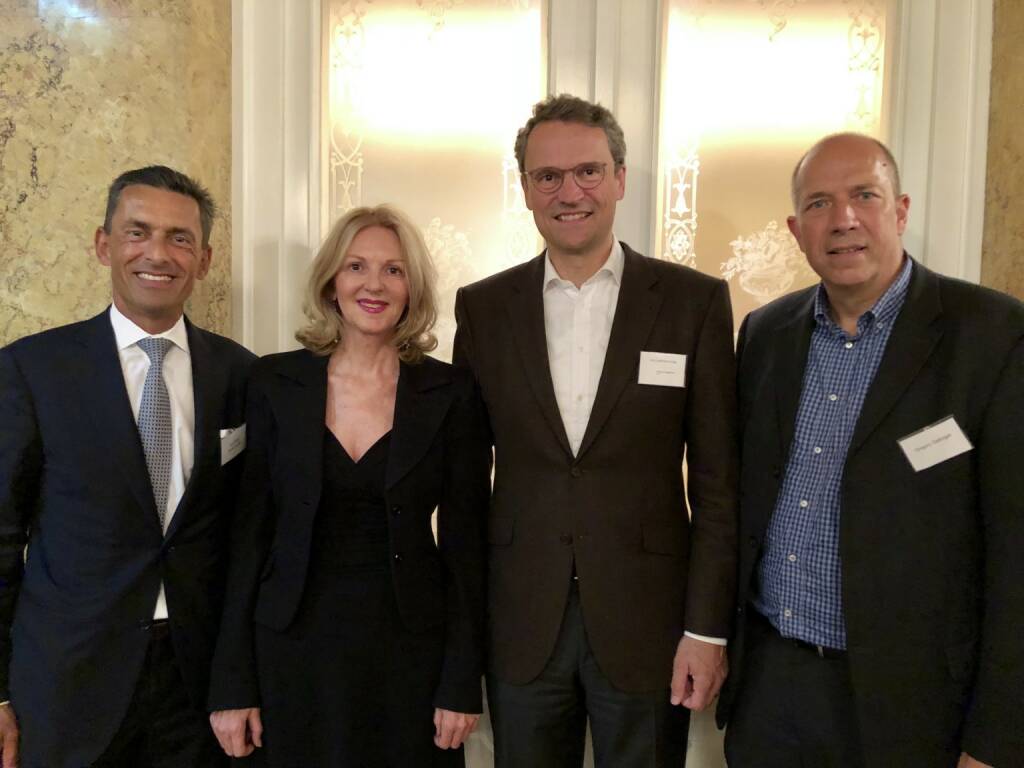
pixel 799 574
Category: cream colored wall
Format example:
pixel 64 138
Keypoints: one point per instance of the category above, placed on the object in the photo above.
pixel 1002 262
pixel 89 89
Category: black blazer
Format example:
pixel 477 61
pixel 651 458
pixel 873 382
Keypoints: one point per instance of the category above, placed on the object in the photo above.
pixel 438 458
pixel 74 485
pixel 932 566
pixel 618 509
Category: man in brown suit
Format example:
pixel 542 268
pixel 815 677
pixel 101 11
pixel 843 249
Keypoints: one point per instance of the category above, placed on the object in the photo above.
pixel 600 368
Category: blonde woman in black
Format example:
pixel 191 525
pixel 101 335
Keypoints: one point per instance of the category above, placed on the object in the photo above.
pixel 350 638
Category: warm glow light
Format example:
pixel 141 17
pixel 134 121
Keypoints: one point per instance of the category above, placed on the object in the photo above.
pixel 729 80
pixel 461 85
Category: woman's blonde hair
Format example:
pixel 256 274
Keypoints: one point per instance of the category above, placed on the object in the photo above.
pixel 413 335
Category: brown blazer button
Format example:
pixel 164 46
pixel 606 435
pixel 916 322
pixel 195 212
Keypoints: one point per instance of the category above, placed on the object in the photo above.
pixel 576 472
pixel 396 509
pixel 566 538
pixel 398 558
pixel 753 542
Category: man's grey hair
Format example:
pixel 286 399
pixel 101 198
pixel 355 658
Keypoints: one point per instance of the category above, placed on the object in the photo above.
pixel 572 109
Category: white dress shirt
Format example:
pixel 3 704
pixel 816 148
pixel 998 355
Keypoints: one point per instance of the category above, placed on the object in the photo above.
pixel 177 370
pixel 577 325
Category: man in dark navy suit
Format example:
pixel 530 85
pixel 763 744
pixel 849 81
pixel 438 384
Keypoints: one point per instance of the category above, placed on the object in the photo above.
pixel 118 445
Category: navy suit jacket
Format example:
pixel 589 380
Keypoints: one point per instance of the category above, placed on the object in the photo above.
pixel 74 486
pixel 933 582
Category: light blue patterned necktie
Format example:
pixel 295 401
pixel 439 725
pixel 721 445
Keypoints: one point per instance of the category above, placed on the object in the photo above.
pixel 155 422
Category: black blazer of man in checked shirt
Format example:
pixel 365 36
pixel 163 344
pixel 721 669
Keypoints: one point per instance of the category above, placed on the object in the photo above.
pixel 882 503
pixel 108 627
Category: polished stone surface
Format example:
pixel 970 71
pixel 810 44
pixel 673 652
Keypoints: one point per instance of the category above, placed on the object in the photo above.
pixel 1002 261
pixel 89 89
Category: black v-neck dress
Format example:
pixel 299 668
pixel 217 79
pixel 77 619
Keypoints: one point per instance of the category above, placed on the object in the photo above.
pixel 346 685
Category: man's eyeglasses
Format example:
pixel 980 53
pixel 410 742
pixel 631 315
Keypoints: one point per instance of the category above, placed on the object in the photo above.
pixel 548 180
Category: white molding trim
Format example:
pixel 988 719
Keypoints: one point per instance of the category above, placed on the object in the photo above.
pixel 276 180
pixel 940 112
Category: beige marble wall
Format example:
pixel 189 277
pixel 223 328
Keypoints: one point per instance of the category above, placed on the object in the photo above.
pixel 88 89
pixel 1002 260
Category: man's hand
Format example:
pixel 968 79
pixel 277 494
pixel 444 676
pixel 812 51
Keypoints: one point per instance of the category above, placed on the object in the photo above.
pixel 8 737
pixel 966 761
pixel 698 671
pixel 239 731
pixel 452 728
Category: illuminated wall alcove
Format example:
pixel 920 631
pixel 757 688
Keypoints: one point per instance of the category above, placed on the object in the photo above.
pixel 416 102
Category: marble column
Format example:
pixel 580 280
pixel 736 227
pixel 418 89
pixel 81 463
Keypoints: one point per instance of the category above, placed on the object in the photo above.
pixel 88 89
pixel 1002 260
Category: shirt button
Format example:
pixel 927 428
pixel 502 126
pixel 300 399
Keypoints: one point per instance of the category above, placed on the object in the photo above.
pixel 792 558
pixel 803 503
pixel 848 345
pixel 833 398
pixel 787 613
pixel 817 449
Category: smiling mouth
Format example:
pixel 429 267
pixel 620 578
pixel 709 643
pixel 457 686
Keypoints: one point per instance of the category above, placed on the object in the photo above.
pixel 154 278
pixel 373 307
pixel 846 250
pixel 574 216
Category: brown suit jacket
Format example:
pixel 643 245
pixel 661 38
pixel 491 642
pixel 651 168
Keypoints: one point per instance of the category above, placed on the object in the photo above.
pixel 647 569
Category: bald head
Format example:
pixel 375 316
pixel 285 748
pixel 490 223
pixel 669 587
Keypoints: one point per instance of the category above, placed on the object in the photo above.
pixel 856 142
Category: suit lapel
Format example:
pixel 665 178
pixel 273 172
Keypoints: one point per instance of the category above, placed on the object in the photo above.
pixel 421 402
pixel 914 337
pixel 526 319
pixel 111 410
pixel 635 312
pixel 303 405
pixel 792 345
pixel 209 384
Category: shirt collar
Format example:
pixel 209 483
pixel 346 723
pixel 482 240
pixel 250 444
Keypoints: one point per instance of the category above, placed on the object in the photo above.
pixel 885 309
pixel 613 265
pixel 127 333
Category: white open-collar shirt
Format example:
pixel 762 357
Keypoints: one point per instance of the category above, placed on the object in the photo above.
pixel 578 324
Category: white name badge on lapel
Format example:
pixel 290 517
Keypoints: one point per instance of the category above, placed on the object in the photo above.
pixel 663 369
pixel 934 444
pixel 232 442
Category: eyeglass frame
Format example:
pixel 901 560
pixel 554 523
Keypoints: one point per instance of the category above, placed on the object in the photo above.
pixel 562 173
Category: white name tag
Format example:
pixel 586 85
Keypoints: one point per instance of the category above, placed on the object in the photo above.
pixel 934 444
pixel 663 369
pixel 232 442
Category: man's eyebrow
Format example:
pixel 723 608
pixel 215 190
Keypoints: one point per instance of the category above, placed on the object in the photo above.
pixel 181 231
pixel 137 224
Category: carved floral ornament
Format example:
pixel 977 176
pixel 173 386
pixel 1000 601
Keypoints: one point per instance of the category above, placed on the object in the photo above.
pixel 767 263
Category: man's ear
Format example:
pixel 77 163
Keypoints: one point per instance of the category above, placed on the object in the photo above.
pixel 205 258
pixel 794 228
pixel 101 241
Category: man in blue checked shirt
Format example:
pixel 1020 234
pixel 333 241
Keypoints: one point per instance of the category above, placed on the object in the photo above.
pixel 882 498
